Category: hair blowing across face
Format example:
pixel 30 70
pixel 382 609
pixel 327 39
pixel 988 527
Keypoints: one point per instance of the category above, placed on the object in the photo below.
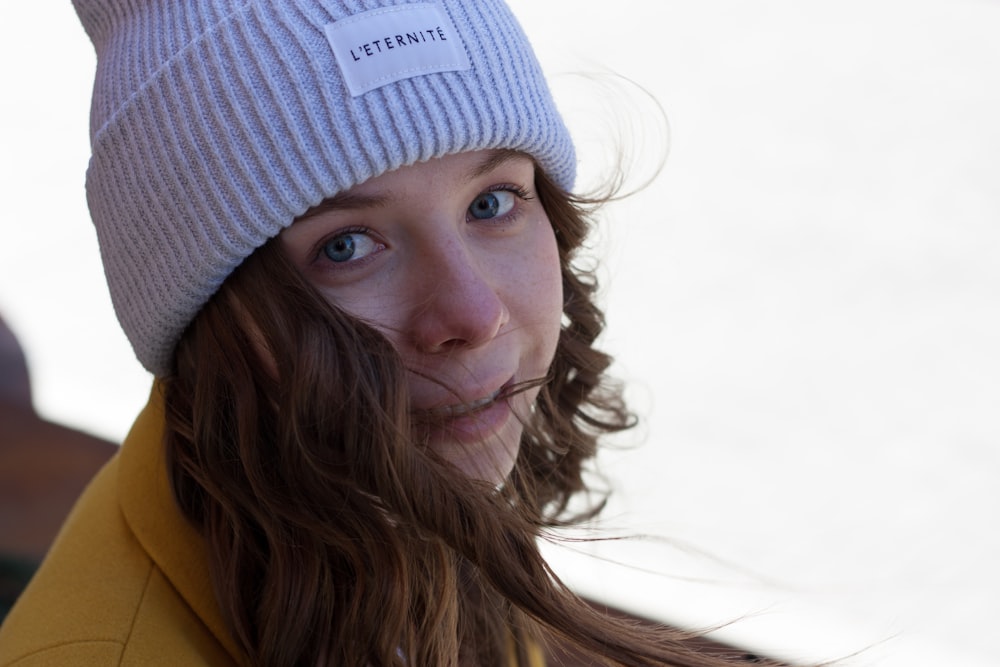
pixel 335 539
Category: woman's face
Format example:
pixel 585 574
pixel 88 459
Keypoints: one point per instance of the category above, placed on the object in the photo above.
pixel 455 261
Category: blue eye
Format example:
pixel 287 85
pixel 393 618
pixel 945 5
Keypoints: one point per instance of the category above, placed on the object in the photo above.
pixel 491 204
pixel 349 246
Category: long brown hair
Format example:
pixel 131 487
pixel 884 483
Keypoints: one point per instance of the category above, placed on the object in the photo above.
pixel 334 538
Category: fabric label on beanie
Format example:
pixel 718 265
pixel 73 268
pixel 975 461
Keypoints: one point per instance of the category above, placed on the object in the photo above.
pixel 382 46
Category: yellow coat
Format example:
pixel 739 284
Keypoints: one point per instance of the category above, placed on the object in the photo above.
pixel 126 581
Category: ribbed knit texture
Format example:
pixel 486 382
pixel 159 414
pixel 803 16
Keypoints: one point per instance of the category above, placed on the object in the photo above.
pixel 216 123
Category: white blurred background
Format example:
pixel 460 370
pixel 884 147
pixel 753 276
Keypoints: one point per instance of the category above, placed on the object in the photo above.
pixel 805 305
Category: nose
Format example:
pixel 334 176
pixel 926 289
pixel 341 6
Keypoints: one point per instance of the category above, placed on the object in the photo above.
pixel 458 304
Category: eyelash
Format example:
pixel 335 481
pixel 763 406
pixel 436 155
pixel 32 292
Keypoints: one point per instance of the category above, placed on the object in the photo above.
pixel 518 190
pixel 521 192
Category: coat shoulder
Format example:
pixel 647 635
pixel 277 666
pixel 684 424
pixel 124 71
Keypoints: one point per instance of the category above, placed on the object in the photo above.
pixel 99 599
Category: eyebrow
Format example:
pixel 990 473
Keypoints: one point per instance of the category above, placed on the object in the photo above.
pixel 494 160
pixel 344 201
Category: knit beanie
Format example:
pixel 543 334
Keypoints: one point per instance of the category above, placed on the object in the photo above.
pixel 216 123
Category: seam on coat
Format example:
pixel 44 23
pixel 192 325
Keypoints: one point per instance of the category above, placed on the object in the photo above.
pixel 72 642
pixel 138 610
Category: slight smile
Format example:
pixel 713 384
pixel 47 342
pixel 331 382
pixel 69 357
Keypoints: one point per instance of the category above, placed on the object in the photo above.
pixel 461 409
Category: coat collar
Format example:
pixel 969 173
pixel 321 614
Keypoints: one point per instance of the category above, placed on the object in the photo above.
pixel 148 505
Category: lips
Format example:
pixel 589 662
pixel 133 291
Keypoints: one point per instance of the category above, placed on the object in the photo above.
pixel 464 409
pixel 461 410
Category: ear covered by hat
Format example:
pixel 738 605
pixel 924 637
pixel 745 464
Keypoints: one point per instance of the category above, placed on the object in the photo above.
pixel 216 123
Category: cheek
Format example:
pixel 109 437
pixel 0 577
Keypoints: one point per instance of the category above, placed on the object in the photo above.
pixel 540 291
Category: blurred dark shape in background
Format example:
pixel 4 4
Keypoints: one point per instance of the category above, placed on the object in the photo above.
pixel 43 469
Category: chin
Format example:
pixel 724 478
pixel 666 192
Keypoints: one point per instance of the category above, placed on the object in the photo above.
pixel 492 466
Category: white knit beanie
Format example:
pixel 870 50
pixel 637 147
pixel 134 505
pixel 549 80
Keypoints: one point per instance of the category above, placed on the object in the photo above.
pixel 215 123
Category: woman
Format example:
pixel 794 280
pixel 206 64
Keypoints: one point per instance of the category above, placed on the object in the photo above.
pixel 338 232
